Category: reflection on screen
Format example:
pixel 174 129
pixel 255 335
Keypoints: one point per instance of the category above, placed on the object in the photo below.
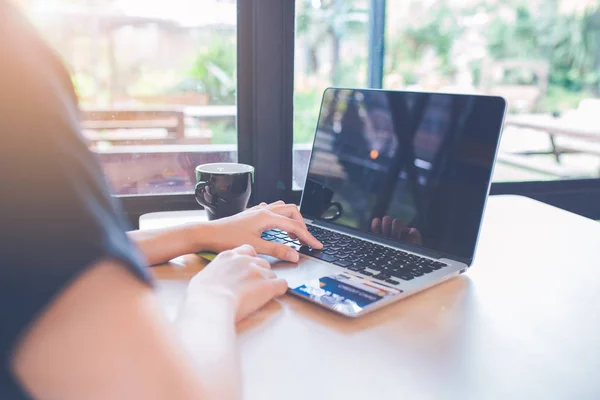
pixel 413 167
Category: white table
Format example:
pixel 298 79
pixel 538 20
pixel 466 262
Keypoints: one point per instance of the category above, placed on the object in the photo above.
pixel 523 323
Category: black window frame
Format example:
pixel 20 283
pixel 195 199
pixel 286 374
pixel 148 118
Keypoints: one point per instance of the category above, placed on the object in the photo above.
pixel 265 112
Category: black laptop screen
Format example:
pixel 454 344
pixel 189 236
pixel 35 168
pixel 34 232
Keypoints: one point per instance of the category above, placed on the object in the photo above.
pixel 413 167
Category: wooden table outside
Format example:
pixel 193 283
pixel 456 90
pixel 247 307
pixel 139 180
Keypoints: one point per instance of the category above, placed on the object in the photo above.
pixel 574 133
pixel 566 127
pixel 523 323
pixel 151 125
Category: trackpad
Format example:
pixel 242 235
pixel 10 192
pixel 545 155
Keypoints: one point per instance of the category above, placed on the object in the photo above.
pixel 332 287
pixel 298 274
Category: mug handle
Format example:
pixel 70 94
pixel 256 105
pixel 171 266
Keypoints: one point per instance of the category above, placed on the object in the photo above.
pixel 338 211
pixel 199 195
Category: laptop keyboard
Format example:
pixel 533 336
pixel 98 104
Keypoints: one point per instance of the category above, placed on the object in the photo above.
pixel 370 259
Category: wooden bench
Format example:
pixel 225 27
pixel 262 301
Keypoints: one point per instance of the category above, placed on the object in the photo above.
pixel 166 126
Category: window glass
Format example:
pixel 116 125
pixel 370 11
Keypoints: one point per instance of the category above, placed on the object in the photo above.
pixel 543 56
pixel 156 81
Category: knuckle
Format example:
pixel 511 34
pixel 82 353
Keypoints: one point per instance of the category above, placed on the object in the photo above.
pixel 269 274
pixel 255 271
pixel 263 263
pixel 246 259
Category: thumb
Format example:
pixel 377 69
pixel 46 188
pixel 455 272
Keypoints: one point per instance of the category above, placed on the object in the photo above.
pixel 278 287
pixel 277 250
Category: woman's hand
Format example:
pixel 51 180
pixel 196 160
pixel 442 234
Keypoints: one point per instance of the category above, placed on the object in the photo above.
pixel 247 227
pixel 243 276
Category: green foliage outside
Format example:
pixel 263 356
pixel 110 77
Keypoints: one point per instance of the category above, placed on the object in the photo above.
pixel 224 132
pixel 406 47
pixel 214 72
pixel 306 112
pixel 569 42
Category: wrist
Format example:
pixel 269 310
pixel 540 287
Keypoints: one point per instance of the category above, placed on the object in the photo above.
pixel 201 236
pixel 209 301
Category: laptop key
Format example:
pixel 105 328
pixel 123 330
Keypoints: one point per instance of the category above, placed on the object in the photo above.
pixel 293 246
pixel 393 282
pixel 317 254
pixel 382 276
pixel 402 275
pixel 343 263
pixel 354 268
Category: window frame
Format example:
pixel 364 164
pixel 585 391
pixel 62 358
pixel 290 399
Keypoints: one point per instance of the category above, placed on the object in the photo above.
pixel 265 112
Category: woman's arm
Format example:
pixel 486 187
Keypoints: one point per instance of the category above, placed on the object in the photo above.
pixel 162 245
pixel 105 337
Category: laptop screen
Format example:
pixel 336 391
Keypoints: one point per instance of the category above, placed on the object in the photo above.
pixel 412 167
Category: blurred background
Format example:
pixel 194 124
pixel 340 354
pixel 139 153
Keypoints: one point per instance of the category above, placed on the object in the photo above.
pixel 157 80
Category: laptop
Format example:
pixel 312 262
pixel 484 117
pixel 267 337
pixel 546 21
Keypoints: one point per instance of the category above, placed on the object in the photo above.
pixel 395 190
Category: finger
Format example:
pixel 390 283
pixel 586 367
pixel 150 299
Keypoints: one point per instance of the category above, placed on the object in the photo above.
pixel 277 203
pixel 277 250
pixel 265 273
pixel 246 250
pixel 277 286
pixel 291 226
pixel 397 228
pixel 262 292
pixel 376 226
pixel 386 224
pixel 261 262
pixel 414 236
pixel 290 211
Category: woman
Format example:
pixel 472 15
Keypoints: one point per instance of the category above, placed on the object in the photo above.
pixel 78 316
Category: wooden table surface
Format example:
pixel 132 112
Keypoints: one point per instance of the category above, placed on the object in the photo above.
pixel 523 323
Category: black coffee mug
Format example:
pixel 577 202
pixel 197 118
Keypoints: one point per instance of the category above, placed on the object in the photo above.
pixel 223 189
pixel 320 204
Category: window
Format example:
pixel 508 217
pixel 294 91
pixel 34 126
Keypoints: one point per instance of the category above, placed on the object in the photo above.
pixel 156 82
pixel 162 91
pixel 543 56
